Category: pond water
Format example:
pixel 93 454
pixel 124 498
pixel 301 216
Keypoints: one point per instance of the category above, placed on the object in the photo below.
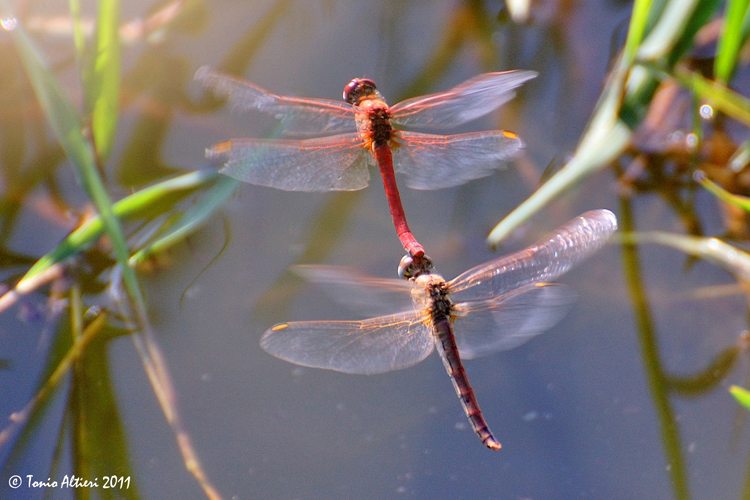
pixel 577 410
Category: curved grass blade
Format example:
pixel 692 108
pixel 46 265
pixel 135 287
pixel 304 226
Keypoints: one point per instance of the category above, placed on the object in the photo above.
pixel 191 219
pixel 604 140
pixel 134 205
pixel 728 256
pixel 708 378
pixel 721 97
pixel 149 199
pixel 742 202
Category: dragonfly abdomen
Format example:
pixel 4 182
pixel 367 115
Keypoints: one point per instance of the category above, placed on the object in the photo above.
pixel 382 154
pixel 446 345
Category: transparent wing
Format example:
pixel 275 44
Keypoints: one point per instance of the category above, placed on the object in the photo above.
pixel 336 163
pixel 544 261
pixel 376 345
pixel 299 116
pixel 361 292
pixel 441 161
pixel 505 322
pixel 470 100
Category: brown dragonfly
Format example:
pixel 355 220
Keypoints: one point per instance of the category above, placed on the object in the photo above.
pixel 495 306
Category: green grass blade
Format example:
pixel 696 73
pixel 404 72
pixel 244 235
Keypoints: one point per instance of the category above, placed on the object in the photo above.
pixel 602 143
pixel 742 202
pixel 191 219
pixel 741 395
pixel 637 28
pixel 722 98
pixel 102 78
pixel 134 205
pixel 668 29
pixel 731 40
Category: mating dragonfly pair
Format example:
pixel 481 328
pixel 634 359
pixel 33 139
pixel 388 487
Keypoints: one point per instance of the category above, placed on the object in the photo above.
pixel 498 305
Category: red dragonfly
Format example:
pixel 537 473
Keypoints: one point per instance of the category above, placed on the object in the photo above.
pixel 497 306
pixel 364 124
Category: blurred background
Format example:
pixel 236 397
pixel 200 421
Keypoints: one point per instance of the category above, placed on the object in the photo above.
pixel 627 397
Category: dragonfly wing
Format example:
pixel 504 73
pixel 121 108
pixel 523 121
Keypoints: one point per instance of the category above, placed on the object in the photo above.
pixel 375 345
pixel 505 322
pixel 299 116
pixel 361 292
pixel 336 163
pixel 440 161
pixel 470 100
pixel 546 260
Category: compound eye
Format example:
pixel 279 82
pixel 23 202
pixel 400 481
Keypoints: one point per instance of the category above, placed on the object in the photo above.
pixel 358 89
pixel 349 90
pixel 405 267
pixel 411 268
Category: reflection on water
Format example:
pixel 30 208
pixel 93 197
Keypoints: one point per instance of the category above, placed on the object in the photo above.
pixel 627 393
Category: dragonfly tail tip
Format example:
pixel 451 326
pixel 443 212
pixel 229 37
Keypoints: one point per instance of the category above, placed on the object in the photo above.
pixel 492 443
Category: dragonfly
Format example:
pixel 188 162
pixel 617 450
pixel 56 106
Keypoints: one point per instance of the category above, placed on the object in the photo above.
pixel 363 130
pixel 495 306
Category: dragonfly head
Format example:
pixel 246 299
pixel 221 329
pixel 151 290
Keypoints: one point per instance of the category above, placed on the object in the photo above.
pixel 412 267
pixel 359 89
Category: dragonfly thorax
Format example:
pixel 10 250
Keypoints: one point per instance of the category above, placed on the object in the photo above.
pixel 374 122
pixel 431 291
pixel 381 131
